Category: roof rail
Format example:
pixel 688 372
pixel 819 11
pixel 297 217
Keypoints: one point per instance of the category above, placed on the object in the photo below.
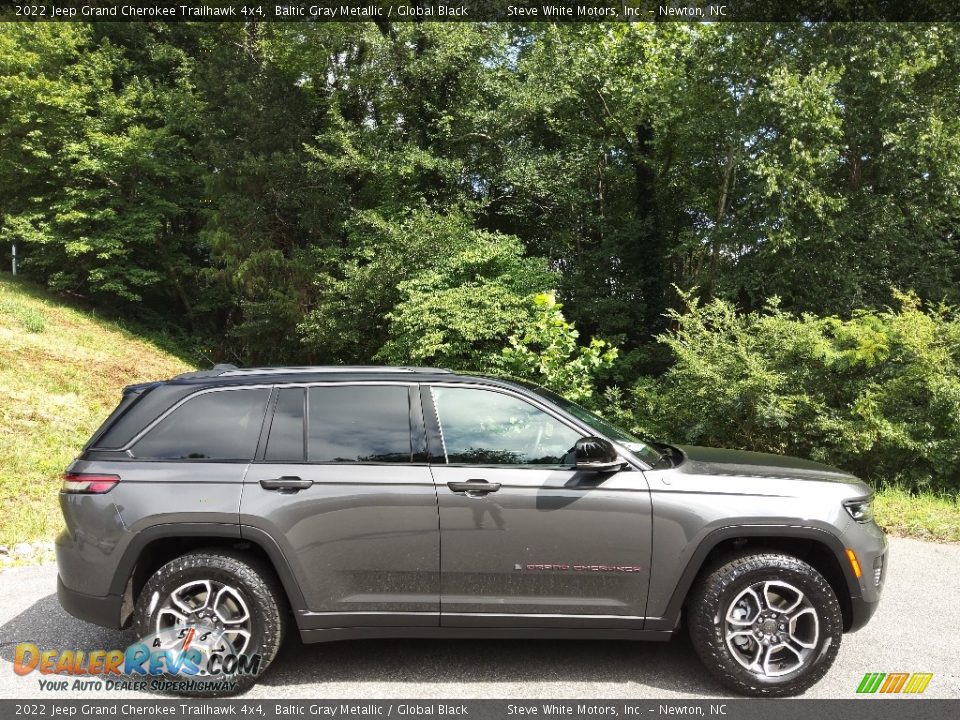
pixel 215 371
pixel 235 371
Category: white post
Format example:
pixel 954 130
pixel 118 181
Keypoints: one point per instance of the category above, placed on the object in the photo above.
pixel 13 259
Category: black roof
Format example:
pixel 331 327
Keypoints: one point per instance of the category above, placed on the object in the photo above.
pixel 144 402
pixel 233 375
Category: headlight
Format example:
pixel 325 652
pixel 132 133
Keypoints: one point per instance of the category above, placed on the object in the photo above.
pixel 860 510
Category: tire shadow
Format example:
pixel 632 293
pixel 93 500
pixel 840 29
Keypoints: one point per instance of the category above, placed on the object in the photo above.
pixel 438 668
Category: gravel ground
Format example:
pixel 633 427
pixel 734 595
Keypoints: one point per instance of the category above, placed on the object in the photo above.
pixel 916 629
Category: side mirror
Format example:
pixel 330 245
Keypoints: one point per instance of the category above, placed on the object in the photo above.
pixel 596 454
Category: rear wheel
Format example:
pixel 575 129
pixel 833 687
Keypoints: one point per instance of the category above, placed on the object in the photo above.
pixel 766 625
pixel 222 609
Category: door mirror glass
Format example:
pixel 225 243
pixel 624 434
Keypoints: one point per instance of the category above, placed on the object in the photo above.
pixel 597 454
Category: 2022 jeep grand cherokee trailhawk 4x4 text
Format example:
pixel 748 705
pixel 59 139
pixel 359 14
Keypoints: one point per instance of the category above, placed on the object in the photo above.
pixel 231 503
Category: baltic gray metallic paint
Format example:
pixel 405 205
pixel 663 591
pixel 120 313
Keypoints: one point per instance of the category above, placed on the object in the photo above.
pixel 362 538
pixel 100 527
pixel 716 489
pixel 382 549
pixel 543 517
pixel 540 516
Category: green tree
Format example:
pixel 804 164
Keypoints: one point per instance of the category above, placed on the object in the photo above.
pixel 431 289
pixel 546 352
pixel 98 179
pixel 234 180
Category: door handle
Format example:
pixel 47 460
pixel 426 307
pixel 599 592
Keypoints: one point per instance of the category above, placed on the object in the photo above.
pixel 474 488
pixel 286 483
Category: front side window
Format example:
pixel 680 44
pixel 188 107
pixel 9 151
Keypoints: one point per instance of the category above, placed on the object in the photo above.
pixel 359 423
pixel 483 427
pixel 221 425
pixel 643 450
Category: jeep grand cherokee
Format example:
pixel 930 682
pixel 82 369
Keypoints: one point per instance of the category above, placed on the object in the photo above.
pixel 232 504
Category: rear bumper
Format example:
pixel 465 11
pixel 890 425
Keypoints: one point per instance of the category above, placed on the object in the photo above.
pixel 100 610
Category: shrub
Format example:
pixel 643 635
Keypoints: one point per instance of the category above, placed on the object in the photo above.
pixel 487 327
pixel 877 394
pixel 546 352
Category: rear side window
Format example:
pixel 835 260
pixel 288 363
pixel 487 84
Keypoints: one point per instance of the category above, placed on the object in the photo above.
pixel 366 423
pixel 286 431
pixel 223 425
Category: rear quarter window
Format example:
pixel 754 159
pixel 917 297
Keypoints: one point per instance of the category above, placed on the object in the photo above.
pixel 220 425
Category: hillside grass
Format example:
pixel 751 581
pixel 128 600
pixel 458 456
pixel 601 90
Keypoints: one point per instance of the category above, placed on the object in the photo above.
pixel 61 372
pixel 926 516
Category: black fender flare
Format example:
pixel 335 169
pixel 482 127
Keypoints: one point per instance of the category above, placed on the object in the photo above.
pixel 729 532
pixel 214 530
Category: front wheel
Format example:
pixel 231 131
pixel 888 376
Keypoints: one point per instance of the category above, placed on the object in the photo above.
pixel 767 625
pixel 215 620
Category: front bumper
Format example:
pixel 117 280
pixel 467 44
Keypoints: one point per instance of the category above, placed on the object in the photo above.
pixel 860 612
pixel 873 558
pixel 100 610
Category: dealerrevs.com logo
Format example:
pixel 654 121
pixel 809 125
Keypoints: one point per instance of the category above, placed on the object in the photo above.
pixel 185 660
pixel 908 683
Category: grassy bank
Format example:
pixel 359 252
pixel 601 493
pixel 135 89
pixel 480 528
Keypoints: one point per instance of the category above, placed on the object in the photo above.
pixel 925 517
pixel 61 371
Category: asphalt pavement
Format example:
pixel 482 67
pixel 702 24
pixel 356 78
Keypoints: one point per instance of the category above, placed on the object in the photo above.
pixel 916 629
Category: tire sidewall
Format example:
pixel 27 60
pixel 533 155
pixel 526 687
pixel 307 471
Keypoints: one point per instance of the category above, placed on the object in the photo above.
pixel 265 625
pixel 733 579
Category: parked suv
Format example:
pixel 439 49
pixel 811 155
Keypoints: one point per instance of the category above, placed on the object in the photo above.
pixel 220 508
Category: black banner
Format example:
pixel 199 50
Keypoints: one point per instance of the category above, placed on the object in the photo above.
pixel 290 709
pixel 584 11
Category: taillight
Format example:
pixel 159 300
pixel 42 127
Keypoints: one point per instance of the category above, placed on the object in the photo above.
pixel 89 483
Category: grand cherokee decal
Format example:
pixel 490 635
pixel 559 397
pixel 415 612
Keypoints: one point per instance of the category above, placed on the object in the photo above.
pixel 578 568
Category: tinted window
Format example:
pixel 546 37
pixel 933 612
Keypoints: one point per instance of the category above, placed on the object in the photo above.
pixel 286 430
pixel 489 428
pixel 358 424
pixel 223 425
pixel 631 442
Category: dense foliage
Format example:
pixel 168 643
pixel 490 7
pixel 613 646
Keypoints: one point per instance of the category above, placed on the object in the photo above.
pixel 878 393
pixel 432 194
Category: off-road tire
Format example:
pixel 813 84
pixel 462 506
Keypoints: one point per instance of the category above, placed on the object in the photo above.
pixel 260 589
pixel 717 588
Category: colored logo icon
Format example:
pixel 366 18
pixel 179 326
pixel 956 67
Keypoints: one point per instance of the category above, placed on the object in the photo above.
pixel 913 683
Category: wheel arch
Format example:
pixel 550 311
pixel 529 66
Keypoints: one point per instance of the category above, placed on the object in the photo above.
pixel 820 548
pixel 157 545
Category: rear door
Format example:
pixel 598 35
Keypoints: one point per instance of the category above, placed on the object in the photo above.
pixel 527 539
pixel 342 485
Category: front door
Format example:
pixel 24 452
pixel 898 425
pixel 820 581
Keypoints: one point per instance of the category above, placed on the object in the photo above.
pixel 349 498
pixel 527 540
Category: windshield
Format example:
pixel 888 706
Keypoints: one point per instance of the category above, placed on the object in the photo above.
pixel 642 450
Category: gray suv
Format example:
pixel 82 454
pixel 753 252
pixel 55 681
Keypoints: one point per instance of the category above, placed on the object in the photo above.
pixel 220 508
